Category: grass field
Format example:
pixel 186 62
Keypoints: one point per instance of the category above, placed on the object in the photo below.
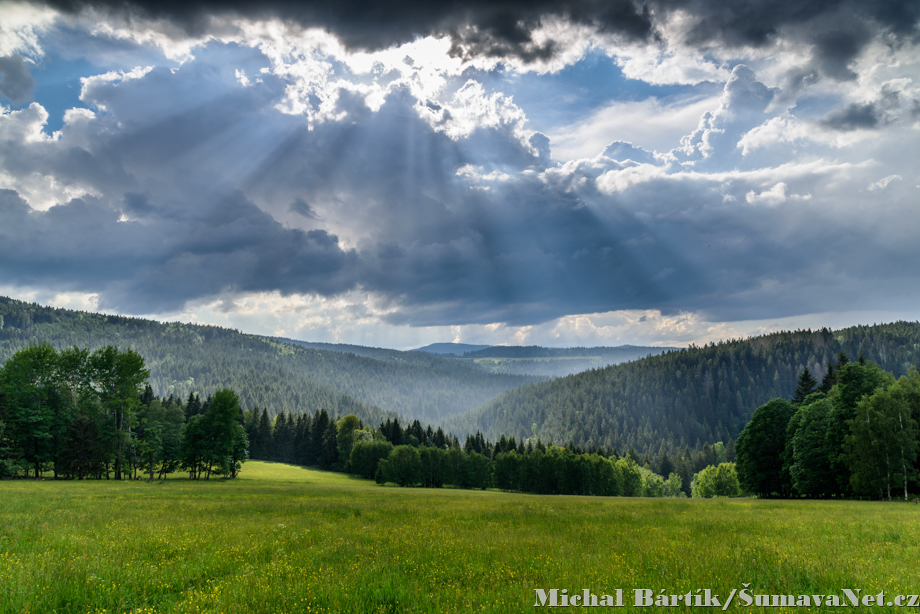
pixel 286 539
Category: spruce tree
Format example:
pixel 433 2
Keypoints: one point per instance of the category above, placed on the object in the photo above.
pixel 396 433
pixel 147 397
pixel 320 424
pixel 330 449
pixel 665 466
pixel 192 406
pixel 307 440
pixel 283 433
pixel 805 386
pixel 829 379
pixel 266 445
pixel 440 439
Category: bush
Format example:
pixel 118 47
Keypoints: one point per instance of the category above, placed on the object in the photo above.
pixel 629 477
pixel 721 481
pixel 365 456
pixel 403 466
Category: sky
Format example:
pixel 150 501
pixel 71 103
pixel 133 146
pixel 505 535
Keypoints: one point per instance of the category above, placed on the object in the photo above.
pixel 399 173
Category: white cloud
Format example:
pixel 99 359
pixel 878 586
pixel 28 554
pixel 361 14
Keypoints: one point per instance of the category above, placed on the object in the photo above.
pixel 21 24
pixel 24 125
pixel 652 124
pixel 39 185
pixel 881 184
pixel 664 66
pixel 620 180
pixel 170 39
pixel 111 78
pixel 472 108
pixel 474 174
pixel 772 197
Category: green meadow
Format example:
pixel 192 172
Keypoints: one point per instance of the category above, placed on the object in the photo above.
pixel 288 539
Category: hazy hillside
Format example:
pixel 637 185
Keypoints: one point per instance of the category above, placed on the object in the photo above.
pixel 686 397
pixel 555 362
pixel 413 357
pixel 455 349
pixel 266 372
pixel 531 360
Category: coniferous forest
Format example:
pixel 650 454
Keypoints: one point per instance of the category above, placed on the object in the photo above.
pixel 92 415
pixel 684 398
pixel 266 373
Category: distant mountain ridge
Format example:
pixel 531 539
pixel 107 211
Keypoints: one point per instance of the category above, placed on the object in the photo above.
pixel 385 354
pixel 456 349
pixel 555 362
pixel 536 351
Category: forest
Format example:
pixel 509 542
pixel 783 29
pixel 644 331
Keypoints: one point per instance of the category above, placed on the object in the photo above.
pixel 663 414
pixel 92 415
pixel 683 398
pixel 265 372
pixel 83 415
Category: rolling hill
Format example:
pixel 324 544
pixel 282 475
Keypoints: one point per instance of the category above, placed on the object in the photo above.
pixel 267 373
pixel 686 397
pixel 658 403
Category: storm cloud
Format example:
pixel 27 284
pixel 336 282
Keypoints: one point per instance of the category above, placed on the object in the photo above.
pixel 260 163
pixel 478 229
pixel 836 29
pixel 16 84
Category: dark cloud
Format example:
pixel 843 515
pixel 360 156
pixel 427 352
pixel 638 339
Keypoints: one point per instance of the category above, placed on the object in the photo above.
pixel 301 207
pixel 852 117
pixel 835 50
pixel 879 112
pixel 180 158
pixel 16 84
pixel 503 29
pixel 158 264
pixel 479 27
pixel 837 30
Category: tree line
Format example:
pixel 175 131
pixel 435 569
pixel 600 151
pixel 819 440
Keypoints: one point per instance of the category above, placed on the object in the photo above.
pixel 416 455
pixel 853 435
pixel 93 415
